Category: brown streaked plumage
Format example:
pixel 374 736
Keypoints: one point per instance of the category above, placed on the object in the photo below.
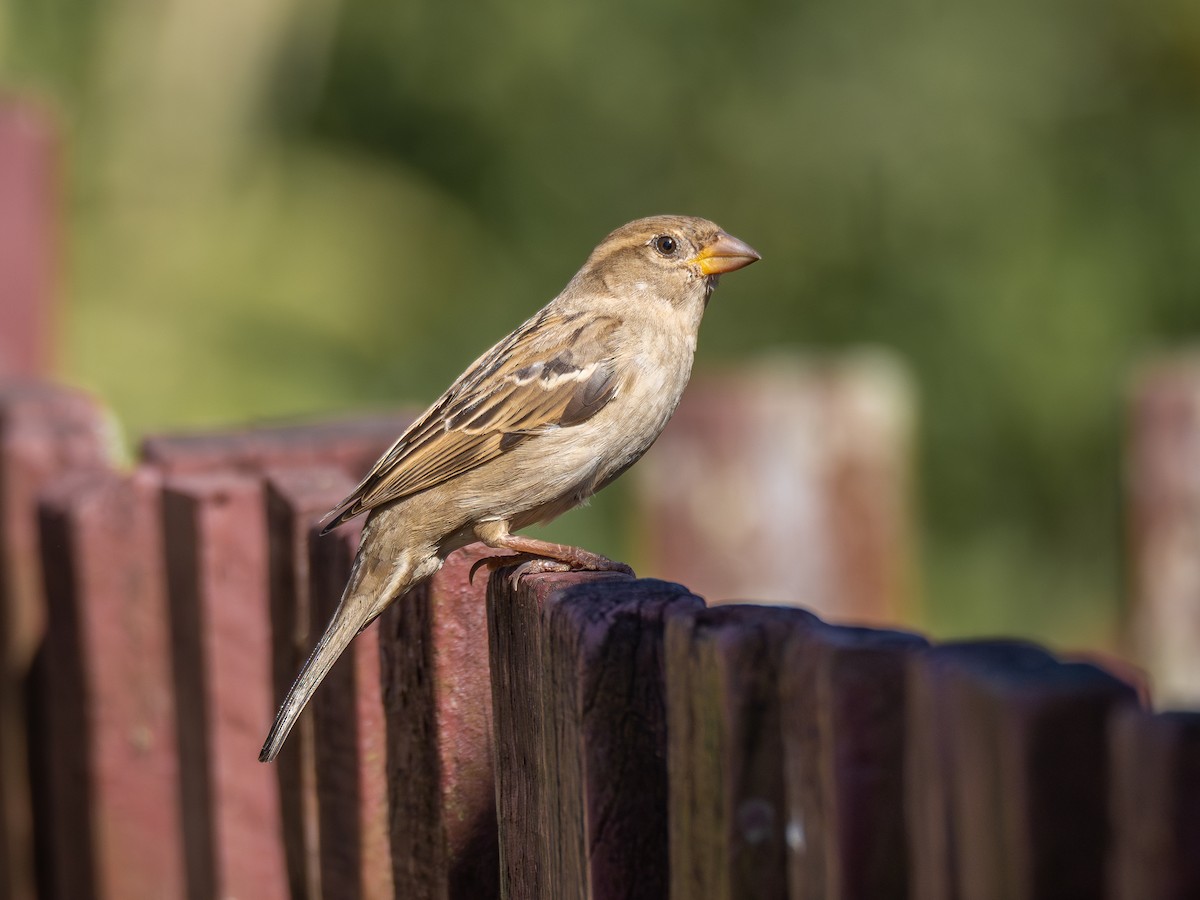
pixel 535 426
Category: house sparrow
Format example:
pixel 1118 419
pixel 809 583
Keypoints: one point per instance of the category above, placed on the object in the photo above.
pixel 539 423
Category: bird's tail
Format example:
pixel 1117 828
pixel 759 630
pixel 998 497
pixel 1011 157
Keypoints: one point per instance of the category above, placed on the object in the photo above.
pixel 364 599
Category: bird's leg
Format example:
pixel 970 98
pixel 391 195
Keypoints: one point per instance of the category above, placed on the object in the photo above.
pixel 574 558
pixel 535 555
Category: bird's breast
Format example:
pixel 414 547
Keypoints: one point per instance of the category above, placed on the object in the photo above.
pixel 655 375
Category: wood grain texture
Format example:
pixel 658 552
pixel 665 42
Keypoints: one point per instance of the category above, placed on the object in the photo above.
pixel 605 735
pixel 1026 766
pixel 1155 805
pixel 581 743
pixel 843 717
pixel 45 431
pixel 727 800
pixel 438 702
pixel 351 741
pixel 296 499
pixel 515 641
pixel 217 574
pixel 107 795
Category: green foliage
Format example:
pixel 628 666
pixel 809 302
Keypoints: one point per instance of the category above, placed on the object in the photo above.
pixel 281 207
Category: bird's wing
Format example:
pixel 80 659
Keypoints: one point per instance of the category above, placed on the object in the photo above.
pixel 555 371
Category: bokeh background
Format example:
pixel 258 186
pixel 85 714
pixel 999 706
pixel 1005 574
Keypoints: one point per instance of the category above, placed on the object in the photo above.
pixel 282 208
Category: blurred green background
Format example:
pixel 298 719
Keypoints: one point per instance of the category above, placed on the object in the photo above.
pixel 292 207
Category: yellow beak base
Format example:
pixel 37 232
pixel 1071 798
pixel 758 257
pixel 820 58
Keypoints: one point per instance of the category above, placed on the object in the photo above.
pixel 725 254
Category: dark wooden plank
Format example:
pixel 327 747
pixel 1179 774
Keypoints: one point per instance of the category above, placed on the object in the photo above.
pixel 217 574
pixel 605 734
pixel 580 731
pixel 807 827
pixel 109 823
pixel 1026 765
pixel 727 799
pixel 935 784
pixel 1155 806
pixel 928 762
pixel 29 238
pixel 809 464
pixel 515 643
pixel 296 500
pixel 45 430
pixel 843 717
pixel 438 703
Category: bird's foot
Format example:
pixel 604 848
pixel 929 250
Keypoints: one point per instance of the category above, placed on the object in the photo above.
pixel 533 563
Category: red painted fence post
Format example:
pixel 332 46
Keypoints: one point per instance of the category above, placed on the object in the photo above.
pixel 108 815
pixel 44 432
pixel 351 741
pixel 296 499
pixel 217 571
pixel 438 705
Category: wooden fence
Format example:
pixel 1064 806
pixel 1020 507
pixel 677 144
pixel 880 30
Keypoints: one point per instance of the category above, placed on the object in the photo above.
pixel 568 736
pixel 575 735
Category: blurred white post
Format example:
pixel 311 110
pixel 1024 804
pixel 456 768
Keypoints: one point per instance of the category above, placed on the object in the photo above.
pixel 787 481
pixel 1162 473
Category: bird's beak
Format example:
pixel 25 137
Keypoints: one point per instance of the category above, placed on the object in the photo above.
pixel 725 254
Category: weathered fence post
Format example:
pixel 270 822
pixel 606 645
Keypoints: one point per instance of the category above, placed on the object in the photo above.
pixel 44 432
pixel 1162 473
pixel 108 816
pixel 1017 742
pixel 296 498
pixel 438 703
pixel 330 817
pixel 728 807
pixel 515 641
pixel 1155 806
pixel 577 675
pixel 606 737
pixel 215 532
pixel 351 742
pixel 843 703
pixel 29 237
pixel 788 482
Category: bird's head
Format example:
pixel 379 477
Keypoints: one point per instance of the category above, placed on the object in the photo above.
pixel 676 257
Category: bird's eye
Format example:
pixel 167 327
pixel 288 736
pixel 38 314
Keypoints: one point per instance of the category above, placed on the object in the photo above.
pixel 666 245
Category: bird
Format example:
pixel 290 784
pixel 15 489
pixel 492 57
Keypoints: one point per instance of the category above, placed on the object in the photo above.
pixel 551 414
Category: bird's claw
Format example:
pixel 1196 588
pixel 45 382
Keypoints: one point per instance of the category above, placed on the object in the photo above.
pixel 493 563
pixel 532 564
